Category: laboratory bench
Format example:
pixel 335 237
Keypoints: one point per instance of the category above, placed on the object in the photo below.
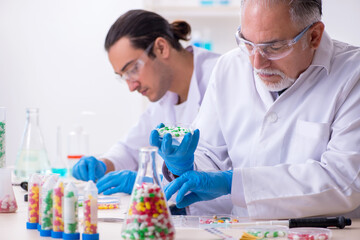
pixel 13 225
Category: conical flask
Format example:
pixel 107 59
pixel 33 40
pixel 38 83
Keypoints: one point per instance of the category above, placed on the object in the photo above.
pixel 148 216
pixel 32 156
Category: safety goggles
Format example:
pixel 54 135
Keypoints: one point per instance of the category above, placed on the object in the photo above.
pixel 271 51
pixel 134 69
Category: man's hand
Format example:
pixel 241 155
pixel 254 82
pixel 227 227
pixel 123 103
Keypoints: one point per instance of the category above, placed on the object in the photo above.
pixel 89 168
pixel 202 186
pixel 119 181
pixel 178 159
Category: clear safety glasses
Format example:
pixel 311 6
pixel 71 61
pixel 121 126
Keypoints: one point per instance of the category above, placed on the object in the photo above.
pixel 134 69
pixel 271 51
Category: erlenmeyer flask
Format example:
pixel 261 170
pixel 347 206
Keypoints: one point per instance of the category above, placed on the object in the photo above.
pixel 148 216
pixel 32 156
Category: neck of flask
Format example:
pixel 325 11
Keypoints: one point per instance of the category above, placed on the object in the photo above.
pixel 32 116
pixel 147 167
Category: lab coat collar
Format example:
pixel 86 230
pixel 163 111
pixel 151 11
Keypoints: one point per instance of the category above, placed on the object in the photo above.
pixel 264 93
pixel 322 58
pixel 323 54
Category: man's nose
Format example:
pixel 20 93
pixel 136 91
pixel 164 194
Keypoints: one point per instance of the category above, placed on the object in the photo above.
pixel 259 60
pixel 133 85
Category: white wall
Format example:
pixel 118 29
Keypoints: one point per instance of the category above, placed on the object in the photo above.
pixel 52 57
pixel 342 20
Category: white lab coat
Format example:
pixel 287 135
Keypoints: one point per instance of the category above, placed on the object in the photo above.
pixel 296 156
pixel 124 154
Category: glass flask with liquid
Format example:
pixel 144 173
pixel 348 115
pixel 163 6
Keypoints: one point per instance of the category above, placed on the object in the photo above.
pixel 148 215
pixel 32 156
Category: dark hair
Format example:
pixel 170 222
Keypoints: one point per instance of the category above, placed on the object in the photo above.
pixel 143 27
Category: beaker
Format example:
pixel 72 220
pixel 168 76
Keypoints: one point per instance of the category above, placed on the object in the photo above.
pixel 32 156
pixel 2 137
pixel 148 216
pixel 7 198
pixel 78 146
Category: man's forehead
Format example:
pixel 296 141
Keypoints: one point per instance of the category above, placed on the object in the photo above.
pixel 258 16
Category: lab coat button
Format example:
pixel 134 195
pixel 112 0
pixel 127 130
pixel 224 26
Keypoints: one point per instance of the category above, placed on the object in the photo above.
pixel 272 117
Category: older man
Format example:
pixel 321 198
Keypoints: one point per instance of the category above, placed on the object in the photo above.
pixel 280 120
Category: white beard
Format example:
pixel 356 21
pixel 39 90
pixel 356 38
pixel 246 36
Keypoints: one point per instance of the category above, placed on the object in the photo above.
pixel 284 82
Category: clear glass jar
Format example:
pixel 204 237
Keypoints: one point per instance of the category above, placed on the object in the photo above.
pixel 148 216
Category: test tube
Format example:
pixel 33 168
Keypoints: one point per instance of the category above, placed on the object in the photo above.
pixel 43 179
pixel 58 223
pixel 90 212
pixel 70 212
pixel 33 201
pixel 47 206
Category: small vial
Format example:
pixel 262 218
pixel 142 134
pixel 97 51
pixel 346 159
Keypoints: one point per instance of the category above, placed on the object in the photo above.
pixel 47 206
pixel 33 201
pixel 58 223
pixel 70 212
pixel 43 180
pixel 90 212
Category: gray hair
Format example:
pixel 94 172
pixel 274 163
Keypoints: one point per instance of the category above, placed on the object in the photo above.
pixel 302 12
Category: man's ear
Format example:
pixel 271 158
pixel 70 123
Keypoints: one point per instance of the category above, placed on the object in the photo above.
pixel 316 33
pixel 161 47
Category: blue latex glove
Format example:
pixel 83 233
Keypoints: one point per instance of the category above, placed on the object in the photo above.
pixel 89 168
pixel 202 186
pixel 178 159
pixel 118 181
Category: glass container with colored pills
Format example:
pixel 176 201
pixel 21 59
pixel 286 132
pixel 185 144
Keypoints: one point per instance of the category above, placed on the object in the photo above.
pixel 177 131
pixel 309 234
pixel 275 232
pixel 148 215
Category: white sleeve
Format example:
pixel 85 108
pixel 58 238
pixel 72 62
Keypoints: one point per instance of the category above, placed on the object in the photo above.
pixel 124 153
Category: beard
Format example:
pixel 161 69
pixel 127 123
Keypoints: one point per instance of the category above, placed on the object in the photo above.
pixel 282 84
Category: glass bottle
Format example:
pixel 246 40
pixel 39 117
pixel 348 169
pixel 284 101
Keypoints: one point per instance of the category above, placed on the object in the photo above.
pixel 32 156
pixel 148 216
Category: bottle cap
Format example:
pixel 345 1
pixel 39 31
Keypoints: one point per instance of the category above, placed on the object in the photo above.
pixel 30 225
pixel 94 236
pixel 45 233
pixel 71 236
pixel 56 234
